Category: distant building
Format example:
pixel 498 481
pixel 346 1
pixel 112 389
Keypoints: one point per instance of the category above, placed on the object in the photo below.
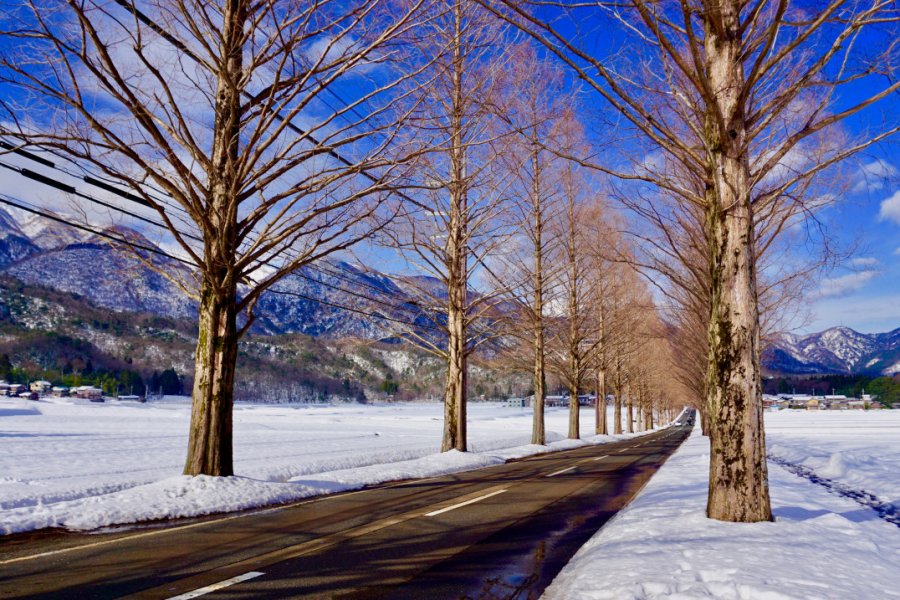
pixel 130 398
pixel 88 392
pixel 41 387
pixel 517 402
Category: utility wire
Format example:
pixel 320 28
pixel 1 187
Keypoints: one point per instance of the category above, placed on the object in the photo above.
pixel 131 197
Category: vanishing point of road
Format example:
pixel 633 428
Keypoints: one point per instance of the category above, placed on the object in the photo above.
pixel 501 532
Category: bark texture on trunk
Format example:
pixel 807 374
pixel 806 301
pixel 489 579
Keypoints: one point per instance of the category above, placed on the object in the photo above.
pixel 738 488
pixel 210 437
pixel 455 392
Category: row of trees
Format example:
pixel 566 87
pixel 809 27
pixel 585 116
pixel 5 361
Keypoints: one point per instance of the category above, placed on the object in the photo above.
pixel 264 136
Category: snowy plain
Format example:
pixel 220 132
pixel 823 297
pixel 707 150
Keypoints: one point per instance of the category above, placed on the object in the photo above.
pixel 822 545
pixel 81 465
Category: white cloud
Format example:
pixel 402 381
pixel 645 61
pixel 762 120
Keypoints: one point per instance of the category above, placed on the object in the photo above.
pixel 897 252
pixel 872 176
pixel 890 209
pixel 864 261
pixel 845 284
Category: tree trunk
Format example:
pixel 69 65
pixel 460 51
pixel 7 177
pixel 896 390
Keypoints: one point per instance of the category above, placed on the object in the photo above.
pixel 601 428
pixel 630 416
pixel 540 382
pixel 738 483
pixel 457 267
pixel 457 371
pixel 574 410
pixel 210 449
pixel 617 414
pixel 540 389
pixel 215 358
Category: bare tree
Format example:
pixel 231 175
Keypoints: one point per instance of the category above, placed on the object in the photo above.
pixel 746 97
pixel 191 108
pixel 455 227
pixel 533 104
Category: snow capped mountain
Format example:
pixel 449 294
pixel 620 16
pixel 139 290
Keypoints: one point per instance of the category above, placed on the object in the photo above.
pixel 39 251
pixel 835 350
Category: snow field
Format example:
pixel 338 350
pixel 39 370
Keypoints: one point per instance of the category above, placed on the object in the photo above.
pixel 75 464
pixel 821 545
pixel 860 449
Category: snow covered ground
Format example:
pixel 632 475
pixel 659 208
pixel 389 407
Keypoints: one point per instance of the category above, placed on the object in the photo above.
pixel 822 544
pixel 857 449
pixel 80 465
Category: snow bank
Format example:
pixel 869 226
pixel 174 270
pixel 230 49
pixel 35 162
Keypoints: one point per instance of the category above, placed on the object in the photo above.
pixel 79 465
pixel 663 546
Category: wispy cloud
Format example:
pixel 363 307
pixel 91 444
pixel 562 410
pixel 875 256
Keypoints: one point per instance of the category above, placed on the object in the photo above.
pixel 873 176
pixel 890 209
pixel 864 261
pixel 845 284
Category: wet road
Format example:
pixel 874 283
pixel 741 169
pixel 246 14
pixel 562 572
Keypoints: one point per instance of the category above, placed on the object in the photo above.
pixel 500 532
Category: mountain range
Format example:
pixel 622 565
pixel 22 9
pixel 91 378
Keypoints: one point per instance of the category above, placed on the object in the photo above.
pixel 41 252
pixel 332 300
pixel 835 350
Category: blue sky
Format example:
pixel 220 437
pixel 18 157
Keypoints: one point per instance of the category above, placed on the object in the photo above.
pixel 864 292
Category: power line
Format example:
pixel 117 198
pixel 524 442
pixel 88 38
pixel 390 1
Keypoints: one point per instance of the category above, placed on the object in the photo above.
pixel 72 190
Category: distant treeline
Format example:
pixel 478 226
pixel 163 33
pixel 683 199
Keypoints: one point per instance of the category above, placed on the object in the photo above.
pixel 887 389
pixel 79 372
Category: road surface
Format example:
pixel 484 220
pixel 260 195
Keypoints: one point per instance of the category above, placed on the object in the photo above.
pixel 500 532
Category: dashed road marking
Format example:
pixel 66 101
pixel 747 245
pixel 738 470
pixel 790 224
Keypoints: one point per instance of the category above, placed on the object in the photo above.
pixel 217 586
pixel 560 472
pixel 461 504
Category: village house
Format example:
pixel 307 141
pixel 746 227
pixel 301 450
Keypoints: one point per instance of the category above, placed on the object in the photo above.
pixel 88 392
pixel 40 387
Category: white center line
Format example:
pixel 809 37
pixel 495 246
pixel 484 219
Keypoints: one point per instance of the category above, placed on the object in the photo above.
pixel 601 457
pixel 559 472
pixel 461 504
pixel 217 586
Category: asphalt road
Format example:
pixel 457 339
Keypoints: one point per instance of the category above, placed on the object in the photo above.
pixel 500 532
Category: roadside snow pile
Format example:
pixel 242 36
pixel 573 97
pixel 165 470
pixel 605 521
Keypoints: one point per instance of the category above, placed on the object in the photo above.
pixel 855 450
pixel 79 465
pixel 663 546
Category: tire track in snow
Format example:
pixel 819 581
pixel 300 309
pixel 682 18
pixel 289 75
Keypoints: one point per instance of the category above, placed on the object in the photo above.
pixel 885 510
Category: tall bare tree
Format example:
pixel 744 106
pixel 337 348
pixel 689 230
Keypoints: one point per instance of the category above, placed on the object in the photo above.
pixel 456 225
pixel 746 97
pixel 194 109
pixel 534 99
